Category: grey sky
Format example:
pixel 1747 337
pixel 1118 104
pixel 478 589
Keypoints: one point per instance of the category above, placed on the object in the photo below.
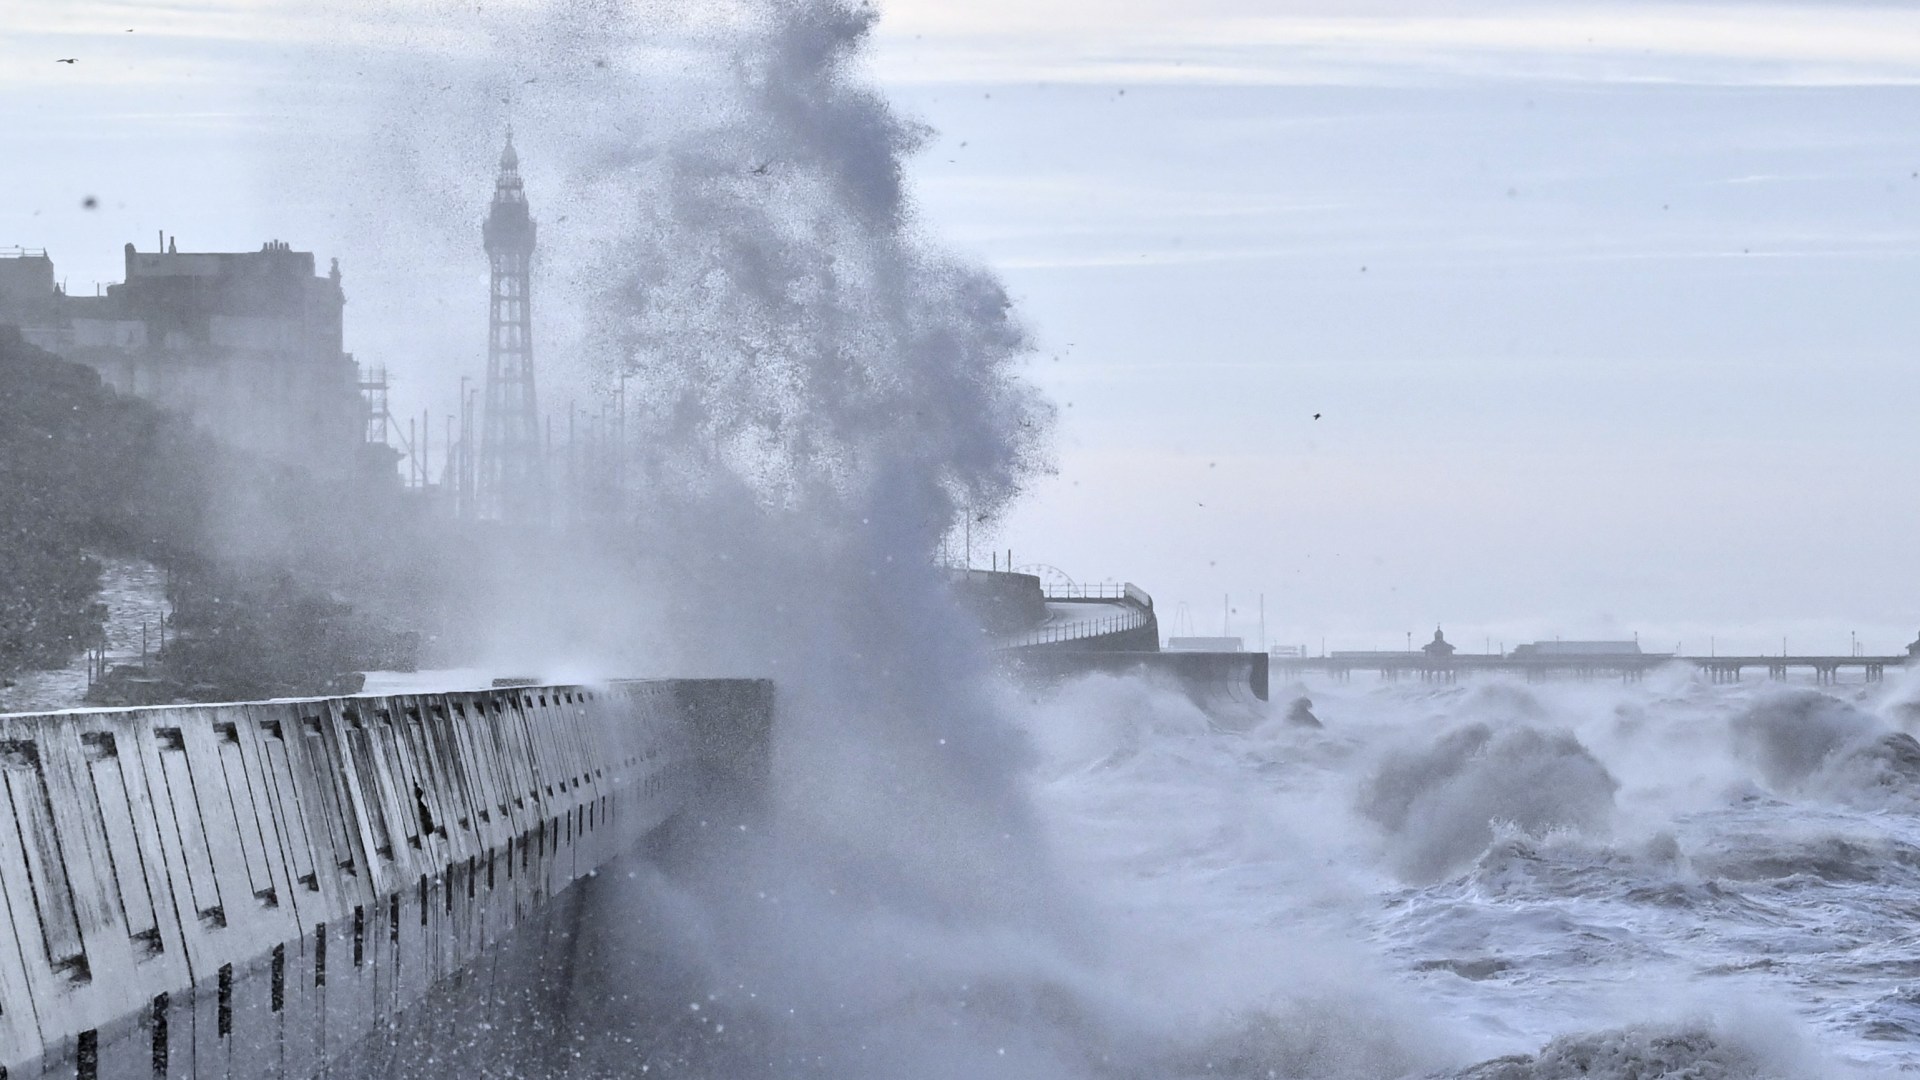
pixel 1606 307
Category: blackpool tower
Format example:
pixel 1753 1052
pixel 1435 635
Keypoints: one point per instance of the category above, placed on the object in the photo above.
pixel 511 484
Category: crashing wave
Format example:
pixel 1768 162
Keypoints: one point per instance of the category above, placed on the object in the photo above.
pixel 1638 1053
pixel 1440 805
pixel 1807 743
pixel 1330 1038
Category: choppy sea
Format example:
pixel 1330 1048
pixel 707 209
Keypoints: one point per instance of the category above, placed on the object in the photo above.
pixel 1495 879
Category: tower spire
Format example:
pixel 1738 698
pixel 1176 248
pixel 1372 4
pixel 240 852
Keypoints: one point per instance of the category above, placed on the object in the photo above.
pixel 511 479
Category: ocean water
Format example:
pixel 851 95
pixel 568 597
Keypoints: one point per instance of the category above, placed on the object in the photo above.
pixel 1494 879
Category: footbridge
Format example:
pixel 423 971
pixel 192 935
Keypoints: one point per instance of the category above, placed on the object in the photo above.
pixel 276 889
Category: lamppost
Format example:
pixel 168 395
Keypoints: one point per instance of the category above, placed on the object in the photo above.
pixel 462 503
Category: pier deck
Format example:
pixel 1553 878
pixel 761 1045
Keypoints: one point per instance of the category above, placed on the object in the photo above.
pixel 1727 669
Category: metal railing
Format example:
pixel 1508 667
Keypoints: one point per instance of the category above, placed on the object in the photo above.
pixel 1132 619
pixel 1091 592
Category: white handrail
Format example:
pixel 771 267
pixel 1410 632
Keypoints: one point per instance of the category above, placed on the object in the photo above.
pixel 1133 619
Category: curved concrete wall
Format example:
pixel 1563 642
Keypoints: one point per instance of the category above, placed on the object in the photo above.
pixel 1207 677
pixel 1000 601
pixel 1124 623
pixel 253 890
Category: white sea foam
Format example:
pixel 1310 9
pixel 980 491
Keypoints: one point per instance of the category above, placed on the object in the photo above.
pixel 1591 861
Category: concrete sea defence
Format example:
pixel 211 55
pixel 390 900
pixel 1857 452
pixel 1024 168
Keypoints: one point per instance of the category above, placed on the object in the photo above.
pixel 1076 630
pixel 1208 678
pixel 262 890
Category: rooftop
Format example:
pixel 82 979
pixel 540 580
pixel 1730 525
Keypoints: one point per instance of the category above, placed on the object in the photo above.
pixel 1579 648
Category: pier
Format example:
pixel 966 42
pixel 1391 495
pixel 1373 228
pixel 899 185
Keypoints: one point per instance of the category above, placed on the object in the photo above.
pixel 1629 667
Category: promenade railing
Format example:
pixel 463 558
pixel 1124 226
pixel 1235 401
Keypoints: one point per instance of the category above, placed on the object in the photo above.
pixel 1135 612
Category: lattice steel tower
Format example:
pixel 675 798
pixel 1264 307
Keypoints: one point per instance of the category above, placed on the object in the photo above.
pixel 511 483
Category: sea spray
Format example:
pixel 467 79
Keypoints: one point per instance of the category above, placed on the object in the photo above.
pixel 824 394
pixel 1439 804
pixel 818 395
pixel 1806 743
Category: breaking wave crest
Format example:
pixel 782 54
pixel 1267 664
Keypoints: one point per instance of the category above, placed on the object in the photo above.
pixel 1440 804
pixel 1807 743
pixel 1327 1038
pixel 1649 1052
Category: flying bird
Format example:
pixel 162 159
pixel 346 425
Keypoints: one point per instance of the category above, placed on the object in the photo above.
pixel 70 60
pixel 1316 416
pixel 761 169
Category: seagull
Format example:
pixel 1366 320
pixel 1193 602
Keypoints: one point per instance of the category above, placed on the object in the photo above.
pixel 761 169
pixel 1316 416
pixel 72 60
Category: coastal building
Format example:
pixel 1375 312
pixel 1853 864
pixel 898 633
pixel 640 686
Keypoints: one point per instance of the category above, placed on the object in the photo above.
pixel 247 344
pixel 1575 650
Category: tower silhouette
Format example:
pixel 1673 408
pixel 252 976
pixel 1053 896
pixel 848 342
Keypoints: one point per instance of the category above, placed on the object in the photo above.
pixel 511 484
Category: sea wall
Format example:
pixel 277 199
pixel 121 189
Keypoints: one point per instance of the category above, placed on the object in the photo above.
pixel 1001 602
pixel 256 890
pixel 1206 676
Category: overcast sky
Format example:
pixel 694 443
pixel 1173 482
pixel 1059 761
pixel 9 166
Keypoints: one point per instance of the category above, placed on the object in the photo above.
pixel 1607 310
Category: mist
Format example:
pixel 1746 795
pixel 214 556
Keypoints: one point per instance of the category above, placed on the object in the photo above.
pixel 939 883
pixel 820 389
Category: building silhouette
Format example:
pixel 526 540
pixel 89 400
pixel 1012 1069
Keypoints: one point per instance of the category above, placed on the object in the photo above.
pixel 1576 650
pixel 511 482
pixel 249 345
